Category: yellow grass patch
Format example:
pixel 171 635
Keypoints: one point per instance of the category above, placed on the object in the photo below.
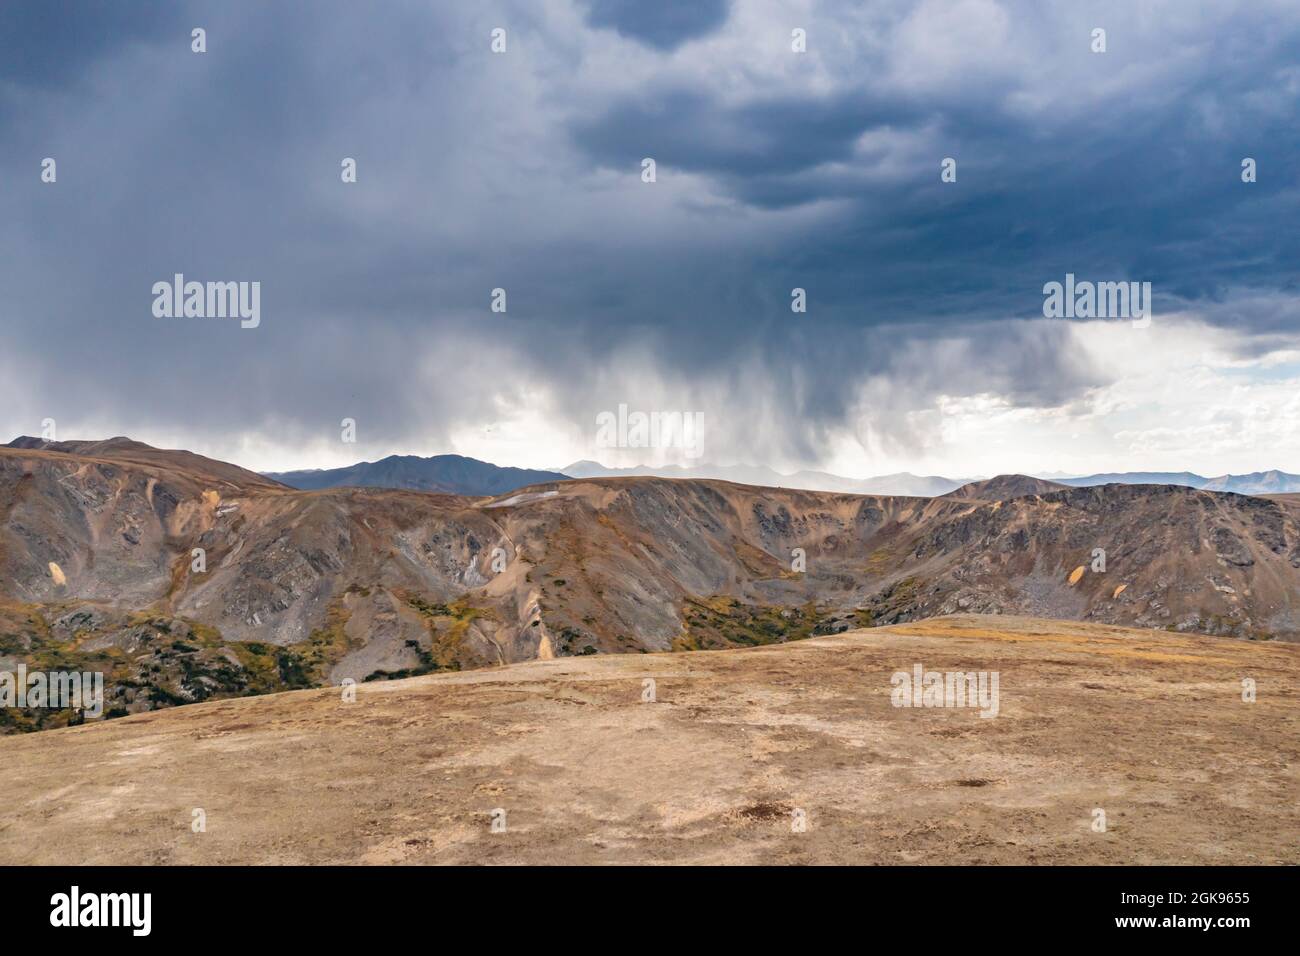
pixel 1107 646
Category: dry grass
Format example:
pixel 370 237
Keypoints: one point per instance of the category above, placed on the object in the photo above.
pixel 1150 727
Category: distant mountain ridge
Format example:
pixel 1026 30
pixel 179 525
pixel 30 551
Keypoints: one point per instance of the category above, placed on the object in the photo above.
pixel 903 483
pixel 1184 478
pixel 450 474
pixel 907 484
pixel 1272 482
pixel 460 475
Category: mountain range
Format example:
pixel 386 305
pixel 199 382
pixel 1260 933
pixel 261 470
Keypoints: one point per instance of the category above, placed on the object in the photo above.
pixel 459 475
pixel 902 483
pixel 186 578
pixel 926 486
pixel 451 474
pixel 1271 482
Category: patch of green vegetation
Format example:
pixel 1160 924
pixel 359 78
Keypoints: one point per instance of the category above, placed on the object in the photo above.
pixel 14 720
pixel 427 665
pixel 448 624
pixel 880 561
pixel 427 609
pixel 685 641
pixel 448 638
pixel 150 660
pixel 1221 625
pixel 896 602
pixel 307 663
pixel 720 622
pixel 570 642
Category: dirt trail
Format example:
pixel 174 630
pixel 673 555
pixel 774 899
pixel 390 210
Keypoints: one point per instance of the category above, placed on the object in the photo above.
pixel 1148 726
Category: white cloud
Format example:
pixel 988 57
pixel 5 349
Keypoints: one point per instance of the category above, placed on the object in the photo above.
pixel 1183 395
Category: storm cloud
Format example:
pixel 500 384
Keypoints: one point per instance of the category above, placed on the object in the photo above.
pixel 522 170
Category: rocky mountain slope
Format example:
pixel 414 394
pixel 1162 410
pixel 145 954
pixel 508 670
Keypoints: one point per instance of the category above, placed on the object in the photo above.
pixel 126 451
pixel 185 579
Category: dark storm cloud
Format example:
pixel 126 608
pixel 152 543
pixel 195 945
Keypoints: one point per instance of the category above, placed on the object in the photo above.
pixel 1143 188
pixel 52 44
pixel 522 171
pixel 779 136
pixel 664 26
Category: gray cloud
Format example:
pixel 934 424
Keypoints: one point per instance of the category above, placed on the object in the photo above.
pixel 522 171
pixel 664 26
pixel 52 45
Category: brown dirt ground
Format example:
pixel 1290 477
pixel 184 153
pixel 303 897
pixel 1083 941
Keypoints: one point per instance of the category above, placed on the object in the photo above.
pixel 1148 726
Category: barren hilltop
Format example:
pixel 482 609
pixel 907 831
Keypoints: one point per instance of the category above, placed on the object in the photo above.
pixel 100 547
pixel 782 754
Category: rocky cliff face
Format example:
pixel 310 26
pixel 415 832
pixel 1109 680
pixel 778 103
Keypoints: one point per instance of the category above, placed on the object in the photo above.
pixel 186 578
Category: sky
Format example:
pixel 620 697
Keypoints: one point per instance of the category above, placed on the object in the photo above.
pixel 924 345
